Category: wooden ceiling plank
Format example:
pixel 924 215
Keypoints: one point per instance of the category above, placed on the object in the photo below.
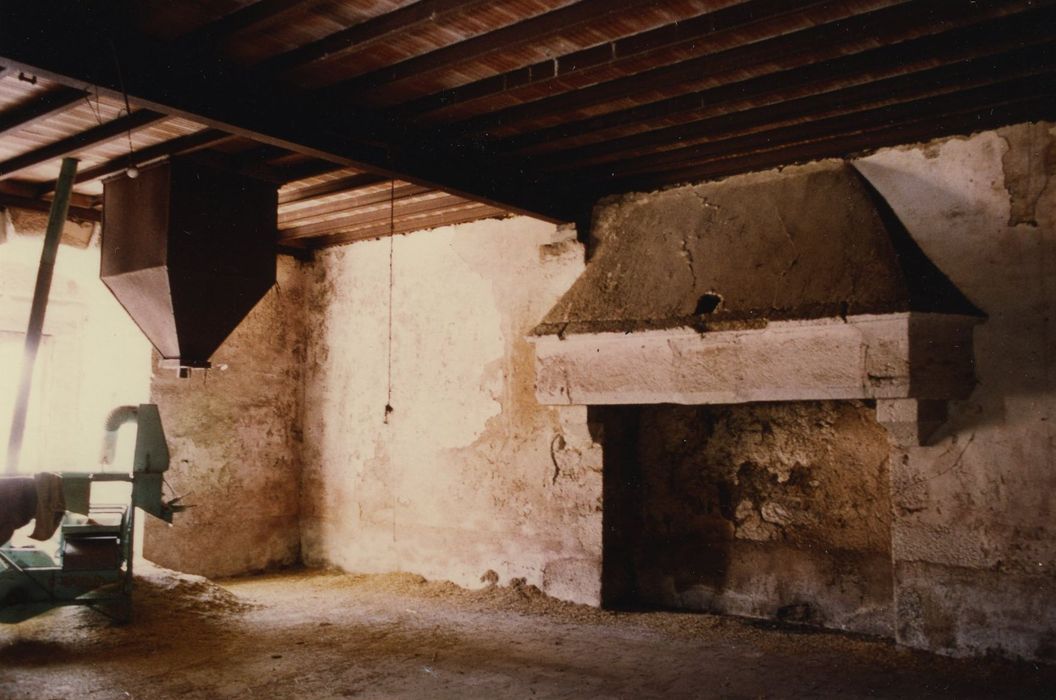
pixel 850 145
pixel 702 32
pixel 80 141
pixel 965 114
pixel 473 212
pixel 781 54
pixel 509 38
pixel 48 104
pixel 428 200
pixel 892 81
pixel 955 104
pixel 369 33
pixel 205 138
pixel 305 215
pixel 207 37
pixel 36 37
pixel 322 189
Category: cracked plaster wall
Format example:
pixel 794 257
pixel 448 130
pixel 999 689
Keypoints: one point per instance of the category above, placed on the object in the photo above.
pixel 470 474
pixel 973 534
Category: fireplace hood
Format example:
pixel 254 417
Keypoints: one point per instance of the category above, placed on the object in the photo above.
pixel 779 286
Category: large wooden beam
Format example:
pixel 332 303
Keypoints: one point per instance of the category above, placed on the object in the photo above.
pixel 206 39
pixel 693 35
pixel 897 78
pixel 515 36
pixel 831 139
pixel 74 213
pixel 781 54
pixel 371 32
pixel 45 38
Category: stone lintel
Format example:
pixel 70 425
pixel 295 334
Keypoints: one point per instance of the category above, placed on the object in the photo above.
pixel 889 356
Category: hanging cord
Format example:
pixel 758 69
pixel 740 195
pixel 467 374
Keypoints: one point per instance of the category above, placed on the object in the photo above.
pixel 392 235
pixel 132 171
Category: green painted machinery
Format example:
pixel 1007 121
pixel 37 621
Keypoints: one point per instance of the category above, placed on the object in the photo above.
pixel 89 563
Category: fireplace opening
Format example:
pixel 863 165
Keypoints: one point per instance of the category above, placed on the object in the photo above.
pixel 769 510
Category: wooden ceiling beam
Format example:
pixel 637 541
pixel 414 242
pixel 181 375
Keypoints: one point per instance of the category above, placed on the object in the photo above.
pixel 448 212
pixel 41 37
pixel 303 216
pixel 189 143
pixel 973 44
pixel 368 33
pixel 48 104
pixel 510 38
pixel 205 39
pixel 705 33
pixel 79 141
pixel 784 53
pixel 838 137
pixel 839 91
pixel 75 213
pixel 330 187
pixel 414 199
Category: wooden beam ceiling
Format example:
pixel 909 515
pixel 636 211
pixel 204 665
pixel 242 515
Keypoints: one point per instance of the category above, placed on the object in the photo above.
pixel 363 36
pixel 47 105
pixel 182 144
pixel 71 144
pixel 37 36
pixel 533 106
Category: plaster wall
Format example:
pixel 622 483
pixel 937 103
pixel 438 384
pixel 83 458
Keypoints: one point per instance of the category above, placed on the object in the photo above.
pixel 235 444
pixel 469 479
pixel 973 532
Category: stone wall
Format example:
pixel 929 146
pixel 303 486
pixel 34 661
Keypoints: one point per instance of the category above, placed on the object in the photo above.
pixel 770 510
pixel 235 444
pixel 974 532
pixel 469 474
pixel 470 477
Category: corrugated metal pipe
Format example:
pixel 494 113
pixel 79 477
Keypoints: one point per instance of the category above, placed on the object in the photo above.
pixel 118 417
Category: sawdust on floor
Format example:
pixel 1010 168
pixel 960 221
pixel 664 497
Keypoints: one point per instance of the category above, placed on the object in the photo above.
pixel 332 635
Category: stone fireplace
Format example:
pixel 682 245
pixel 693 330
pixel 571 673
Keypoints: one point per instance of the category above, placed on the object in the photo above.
pixel 754 354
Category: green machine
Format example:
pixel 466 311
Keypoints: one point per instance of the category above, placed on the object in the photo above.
pixel 89 563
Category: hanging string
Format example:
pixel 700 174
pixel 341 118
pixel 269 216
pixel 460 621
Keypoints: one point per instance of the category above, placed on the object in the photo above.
pixel 392 235
pixel 132 171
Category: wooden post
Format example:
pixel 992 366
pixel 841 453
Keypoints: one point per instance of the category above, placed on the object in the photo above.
pixel 56 219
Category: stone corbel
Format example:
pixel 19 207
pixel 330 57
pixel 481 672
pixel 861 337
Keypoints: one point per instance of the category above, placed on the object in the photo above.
pixel 911 422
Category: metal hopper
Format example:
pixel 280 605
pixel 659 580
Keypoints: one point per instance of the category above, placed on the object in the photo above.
pixel 188 249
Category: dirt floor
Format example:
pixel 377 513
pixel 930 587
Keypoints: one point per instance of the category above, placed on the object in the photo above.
pixel 329 635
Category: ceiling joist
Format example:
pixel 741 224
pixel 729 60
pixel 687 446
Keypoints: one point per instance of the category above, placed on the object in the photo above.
pixel 37 36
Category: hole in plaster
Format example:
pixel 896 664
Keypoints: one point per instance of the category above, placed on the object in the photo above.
pixel 707 303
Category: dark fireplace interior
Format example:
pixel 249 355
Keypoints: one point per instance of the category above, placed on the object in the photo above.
pixel 767 510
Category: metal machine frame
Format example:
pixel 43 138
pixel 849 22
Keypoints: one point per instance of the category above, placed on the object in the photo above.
pixel 93 563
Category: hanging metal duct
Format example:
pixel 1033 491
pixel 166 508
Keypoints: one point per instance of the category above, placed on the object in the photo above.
pixel 188 249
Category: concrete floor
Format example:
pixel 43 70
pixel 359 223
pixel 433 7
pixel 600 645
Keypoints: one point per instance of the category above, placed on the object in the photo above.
pixel 325 635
